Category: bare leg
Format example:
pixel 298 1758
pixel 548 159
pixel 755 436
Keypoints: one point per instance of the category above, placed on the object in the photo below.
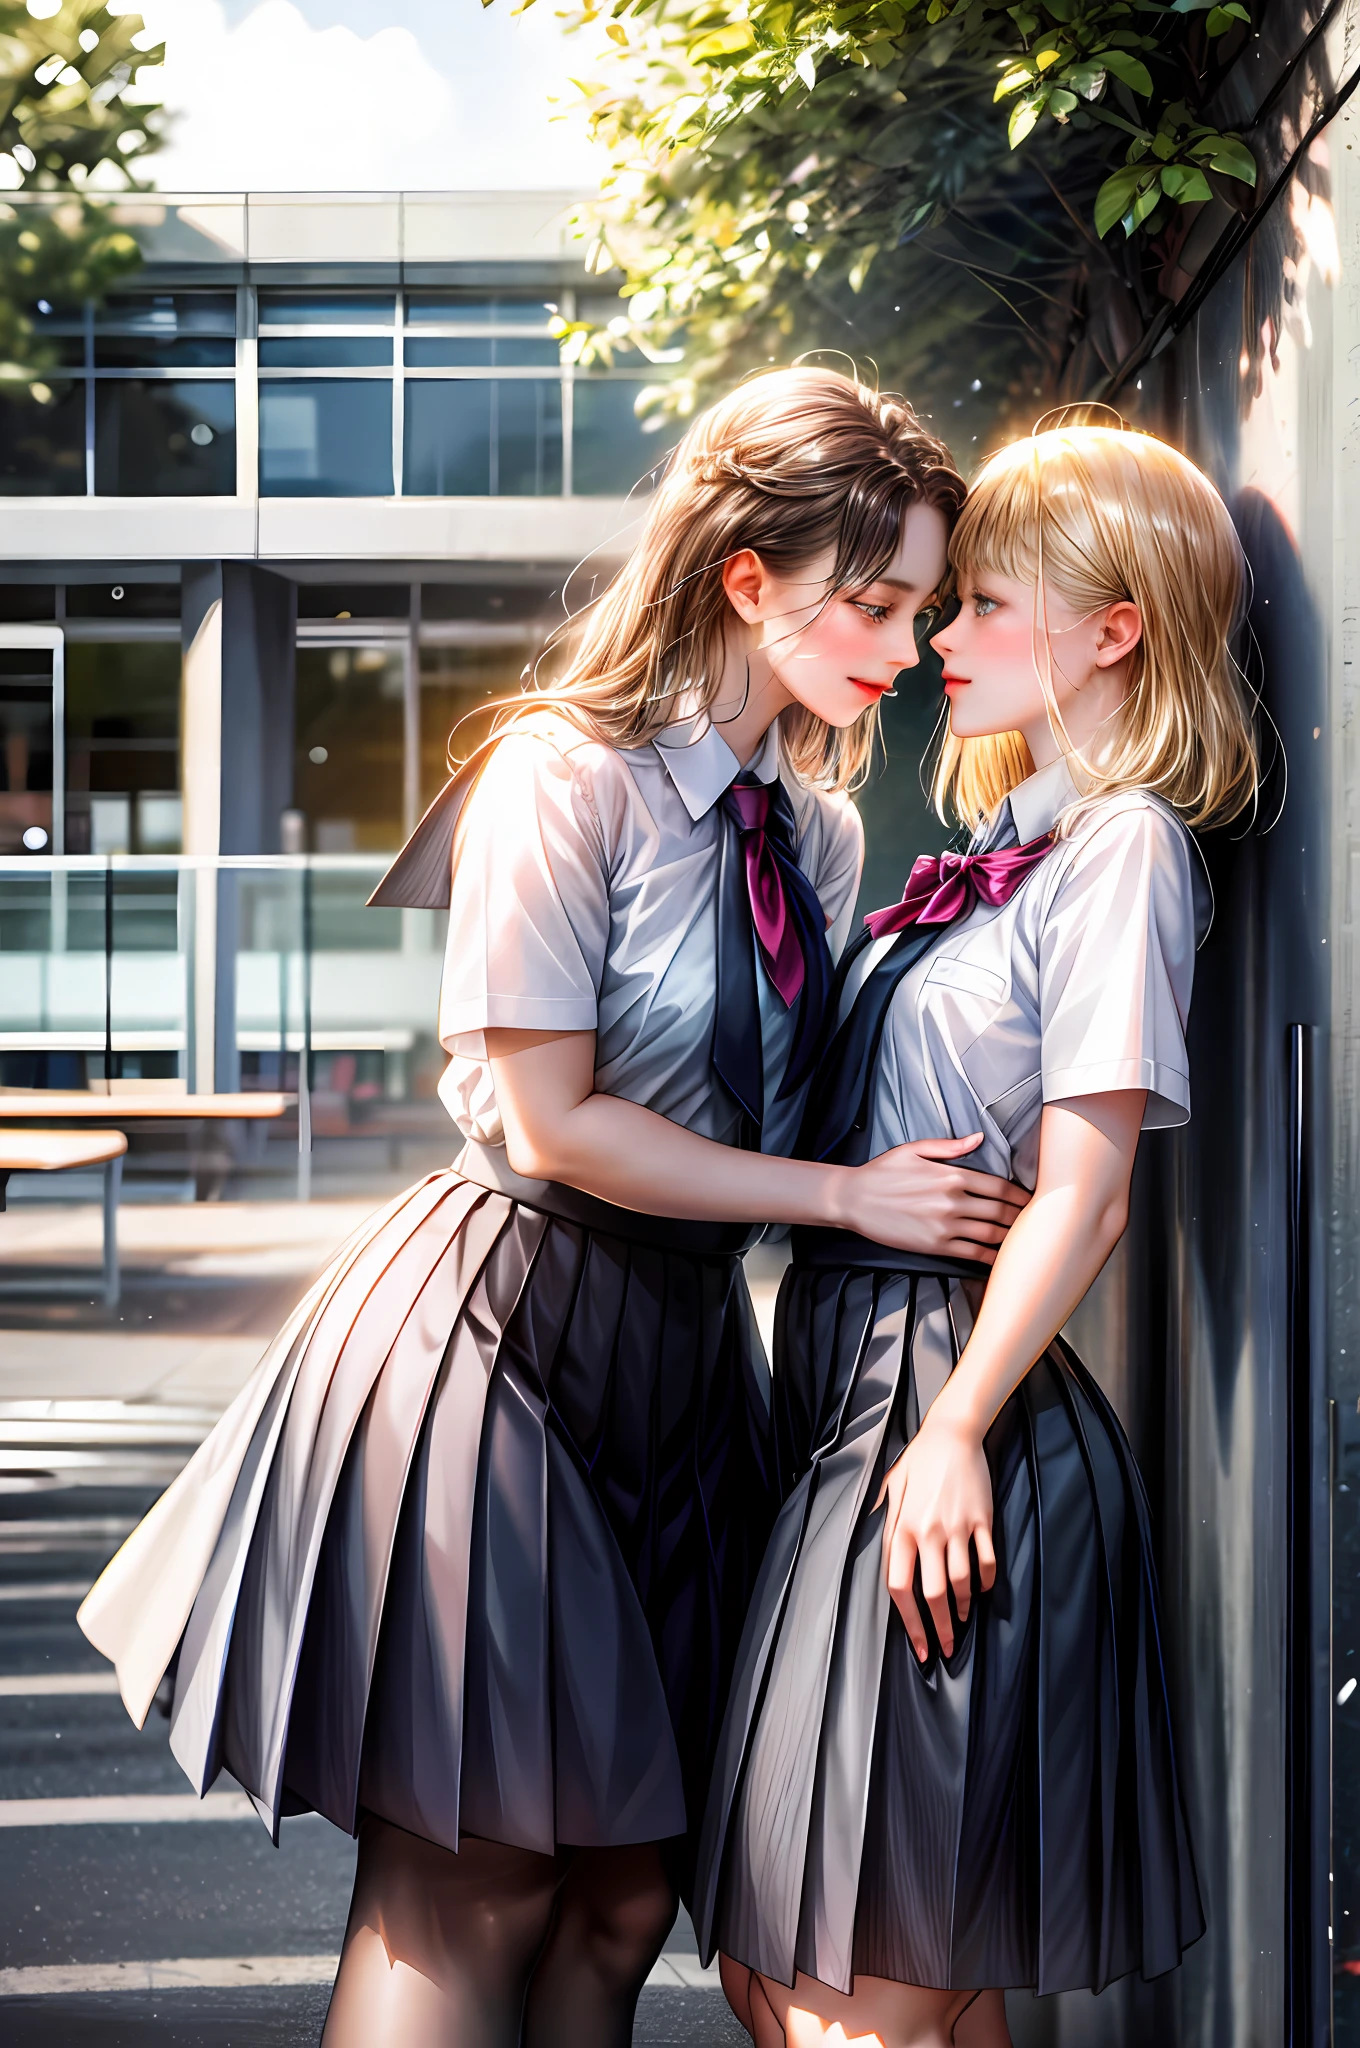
pixel 764 2023
pixel 983 2025
pixel 439 1947
pixel 878 2014
pixel 736 1983
pixel 614 1910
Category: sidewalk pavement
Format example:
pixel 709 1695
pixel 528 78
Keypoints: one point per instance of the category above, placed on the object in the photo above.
pixel 205 1286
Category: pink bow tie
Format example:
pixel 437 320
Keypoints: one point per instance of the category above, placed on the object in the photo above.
pixel 944 886
pixel 775 931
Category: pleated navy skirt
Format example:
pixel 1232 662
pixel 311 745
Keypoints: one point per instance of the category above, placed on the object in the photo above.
pixel 488 1519
pixel 1007 1816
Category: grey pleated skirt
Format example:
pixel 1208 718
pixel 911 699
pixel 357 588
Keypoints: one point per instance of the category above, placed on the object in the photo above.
pixel 1010 1815
pixel 494 1505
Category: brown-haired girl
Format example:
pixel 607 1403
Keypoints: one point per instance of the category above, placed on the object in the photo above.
pixel 465 1564
pixel 947 1763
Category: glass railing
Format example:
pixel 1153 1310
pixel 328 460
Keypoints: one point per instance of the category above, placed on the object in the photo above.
pixel 223 974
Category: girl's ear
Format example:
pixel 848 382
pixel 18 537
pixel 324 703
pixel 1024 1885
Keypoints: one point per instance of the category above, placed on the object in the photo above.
pixel 743 579
pixel 1120 634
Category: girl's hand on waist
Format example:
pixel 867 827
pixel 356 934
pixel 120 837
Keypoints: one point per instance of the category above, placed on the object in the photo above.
pixel 917 1198
pixel 939 1496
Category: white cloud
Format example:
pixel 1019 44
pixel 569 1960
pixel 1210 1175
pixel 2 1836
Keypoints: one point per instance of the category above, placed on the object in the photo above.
pixel 271 102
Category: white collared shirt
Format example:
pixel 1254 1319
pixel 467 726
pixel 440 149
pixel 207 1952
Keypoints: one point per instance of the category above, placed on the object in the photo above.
pixel 1079 985
pixel 584 899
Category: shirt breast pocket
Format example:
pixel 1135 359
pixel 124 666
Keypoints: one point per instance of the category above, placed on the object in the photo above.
pixel 968 978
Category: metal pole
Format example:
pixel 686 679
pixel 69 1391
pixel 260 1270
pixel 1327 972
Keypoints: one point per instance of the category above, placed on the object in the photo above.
pixel 108 970
pixel 304 1180
pixel 113 1181
pixel 59 748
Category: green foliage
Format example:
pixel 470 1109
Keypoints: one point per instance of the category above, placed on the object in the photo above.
pixel 78 113
pixel 786 171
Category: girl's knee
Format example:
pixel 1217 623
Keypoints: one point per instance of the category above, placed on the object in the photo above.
pixel 622 1917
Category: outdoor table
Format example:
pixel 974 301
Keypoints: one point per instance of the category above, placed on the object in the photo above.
pixel 30 1151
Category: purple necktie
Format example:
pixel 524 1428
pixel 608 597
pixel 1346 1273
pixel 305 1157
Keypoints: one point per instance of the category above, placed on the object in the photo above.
pixel 774 926
pixel 944 886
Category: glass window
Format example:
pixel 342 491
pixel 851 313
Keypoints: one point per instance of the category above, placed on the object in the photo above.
pixel 165 439
pixel 168 313
pixel 326 309
pixel 330 439
pixel 326 352
pixel 509 353
pixel 610 451
pixel 449 352
pixel 347 774
pixel 455 309
pixel 448 438
pixel 61 328
pixel 469 351
pixel 122 745
pixel 42 443
pixel 68 349
pixel 460 686
pixel 25 750
pixel 528 440
pixel 468 438
pixel 164 352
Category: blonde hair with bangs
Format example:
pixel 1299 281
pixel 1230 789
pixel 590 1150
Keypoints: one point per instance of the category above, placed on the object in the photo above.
pixel 1103 515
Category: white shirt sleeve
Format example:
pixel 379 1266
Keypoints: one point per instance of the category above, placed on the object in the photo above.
pixel 1116 962
pixel 529 916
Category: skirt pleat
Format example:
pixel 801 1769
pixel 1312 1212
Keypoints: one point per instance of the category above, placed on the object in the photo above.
pixel 1010 1815
pixel 472 1550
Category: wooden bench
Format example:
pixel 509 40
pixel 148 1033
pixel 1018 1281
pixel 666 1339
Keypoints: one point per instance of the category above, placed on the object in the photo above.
pixel 29 1151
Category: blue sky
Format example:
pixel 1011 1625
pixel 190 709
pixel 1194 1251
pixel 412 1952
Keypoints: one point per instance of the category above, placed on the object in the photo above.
pixel 333 95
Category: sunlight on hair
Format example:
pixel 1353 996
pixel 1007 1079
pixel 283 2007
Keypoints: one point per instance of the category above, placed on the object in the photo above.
pixel 1102 515
pixel 794 464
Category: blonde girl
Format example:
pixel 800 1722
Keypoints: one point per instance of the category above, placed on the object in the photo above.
pixel 947 1764
pixel 464 1566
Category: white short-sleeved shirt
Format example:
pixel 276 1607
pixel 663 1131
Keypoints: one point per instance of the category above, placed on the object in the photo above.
pixel 585 899
pixel 1079 985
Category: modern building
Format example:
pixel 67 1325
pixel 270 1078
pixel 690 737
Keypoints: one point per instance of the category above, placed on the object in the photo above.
pixel 292 503
pixel 327 450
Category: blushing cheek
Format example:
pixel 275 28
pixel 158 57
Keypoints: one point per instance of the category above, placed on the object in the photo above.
pixel 816 665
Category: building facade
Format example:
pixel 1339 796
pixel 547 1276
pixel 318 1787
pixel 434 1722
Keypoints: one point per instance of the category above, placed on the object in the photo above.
pixel 308 491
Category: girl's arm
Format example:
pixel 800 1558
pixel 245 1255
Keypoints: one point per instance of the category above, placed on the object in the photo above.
pixel 558 1128
pixel 939 1492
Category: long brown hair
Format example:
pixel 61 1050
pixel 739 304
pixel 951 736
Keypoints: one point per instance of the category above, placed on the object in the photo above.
pixel 1101 514
pixel 792 464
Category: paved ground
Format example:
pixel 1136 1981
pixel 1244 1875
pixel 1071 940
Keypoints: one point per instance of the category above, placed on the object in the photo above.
pixel 122 1919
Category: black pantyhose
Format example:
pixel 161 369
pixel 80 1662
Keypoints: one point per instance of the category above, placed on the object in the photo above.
pixel 495 1946
pixel 614 1911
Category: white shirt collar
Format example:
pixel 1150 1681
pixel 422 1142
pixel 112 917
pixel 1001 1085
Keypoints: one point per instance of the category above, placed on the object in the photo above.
pixel 702 765
pixel 1036 804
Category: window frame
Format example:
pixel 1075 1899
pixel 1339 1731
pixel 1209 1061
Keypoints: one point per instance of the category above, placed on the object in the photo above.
pixel 252 323
pixel 94 324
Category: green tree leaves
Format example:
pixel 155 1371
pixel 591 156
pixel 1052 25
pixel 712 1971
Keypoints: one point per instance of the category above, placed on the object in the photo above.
pixel 792 169
pixel 79 111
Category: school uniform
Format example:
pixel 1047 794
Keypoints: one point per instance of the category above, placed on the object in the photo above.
pixel 471 1549
pixel 1010 1815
